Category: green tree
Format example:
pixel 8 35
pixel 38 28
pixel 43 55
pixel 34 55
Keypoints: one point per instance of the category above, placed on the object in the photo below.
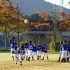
pixel 52 45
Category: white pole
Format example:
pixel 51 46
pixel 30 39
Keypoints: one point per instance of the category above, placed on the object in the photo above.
pixel 61 10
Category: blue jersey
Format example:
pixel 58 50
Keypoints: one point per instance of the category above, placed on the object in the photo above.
pixel 21 51
pixel 34 49
pixel 30 47
pixel 44 49
pixel 68 48
pixel 39 47
pixel 65 47
pixel 26 45
pixel 62 47
pixel 15 50
pixel 13 43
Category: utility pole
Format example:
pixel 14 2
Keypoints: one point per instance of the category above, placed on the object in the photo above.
pixel 5 21
pixel 61 10
pixel 17 12
pixel 61 15
pixel 5 35
pixel 55 22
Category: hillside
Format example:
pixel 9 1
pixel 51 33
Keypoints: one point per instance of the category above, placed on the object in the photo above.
pixel 33 6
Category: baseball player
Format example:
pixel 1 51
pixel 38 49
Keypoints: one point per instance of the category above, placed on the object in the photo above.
pixel 13 44
pixel 21 54
pixel 16 54
pixel 39 48
pixel 63 52
pixel 45 52
pixel 30 51
pixel 34 50
pixel 26 46
pixel 68 52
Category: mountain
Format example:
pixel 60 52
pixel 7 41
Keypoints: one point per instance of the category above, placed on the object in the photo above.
pixel 33 6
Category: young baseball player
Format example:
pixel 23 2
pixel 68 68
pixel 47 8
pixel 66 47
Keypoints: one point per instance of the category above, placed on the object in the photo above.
pixel 68 52
pixel 26 46
pixel 34 50
pixel 39 48
pixel 30 51
pixel 63 54
pixel 16 54
pixel 21 54
pixel 45 52
pixel 13 44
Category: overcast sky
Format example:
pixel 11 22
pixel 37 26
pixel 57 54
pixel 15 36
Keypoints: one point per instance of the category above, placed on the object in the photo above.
pixel 66 3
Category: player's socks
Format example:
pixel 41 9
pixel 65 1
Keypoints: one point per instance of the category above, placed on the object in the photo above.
pixel 17 59
pixel 16 62
pixel 26 58
pixel 63 60
pixel 47 57
pixel 29 59
pixel 43 58
pixel 40 57
pixel 68 59
pixel 32 58
pixel 20 62
pixel 58 60
pixel 37 57
pixel 13 58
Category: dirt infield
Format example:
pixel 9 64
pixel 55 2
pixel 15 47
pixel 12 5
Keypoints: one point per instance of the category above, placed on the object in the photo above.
pixel 6 63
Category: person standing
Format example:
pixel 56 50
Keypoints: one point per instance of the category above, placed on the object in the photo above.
pixel 34 50
pixel 39 49
pixel 64 53
pixel 68 52
pixel 13 44
pixel 26 46
pixel 30 51
pixel 45 52
pixel 21 53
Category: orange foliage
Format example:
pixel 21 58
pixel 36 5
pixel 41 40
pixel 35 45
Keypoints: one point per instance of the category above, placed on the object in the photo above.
pixel 8 14
pixel 36 24
pixel 65 23
pixel 62 14
pixel 43 14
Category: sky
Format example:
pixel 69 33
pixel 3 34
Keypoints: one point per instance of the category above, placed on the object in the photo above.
pixel 58 2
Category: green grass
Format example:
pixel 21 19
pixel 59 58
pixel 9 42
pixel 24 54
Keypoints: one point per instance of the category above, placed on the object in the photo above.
pixel 4 51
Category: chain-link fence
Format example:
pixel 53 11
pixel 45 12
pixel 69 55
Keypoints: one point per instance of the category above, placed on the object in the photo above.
pixel 35 38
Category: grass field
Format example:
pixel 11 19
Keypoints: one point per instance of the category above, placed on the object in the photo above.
pixel 6 63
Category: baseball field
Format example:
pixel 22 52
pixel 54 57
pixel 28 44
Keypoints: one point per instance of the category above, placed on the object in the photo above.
pixel 6 63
